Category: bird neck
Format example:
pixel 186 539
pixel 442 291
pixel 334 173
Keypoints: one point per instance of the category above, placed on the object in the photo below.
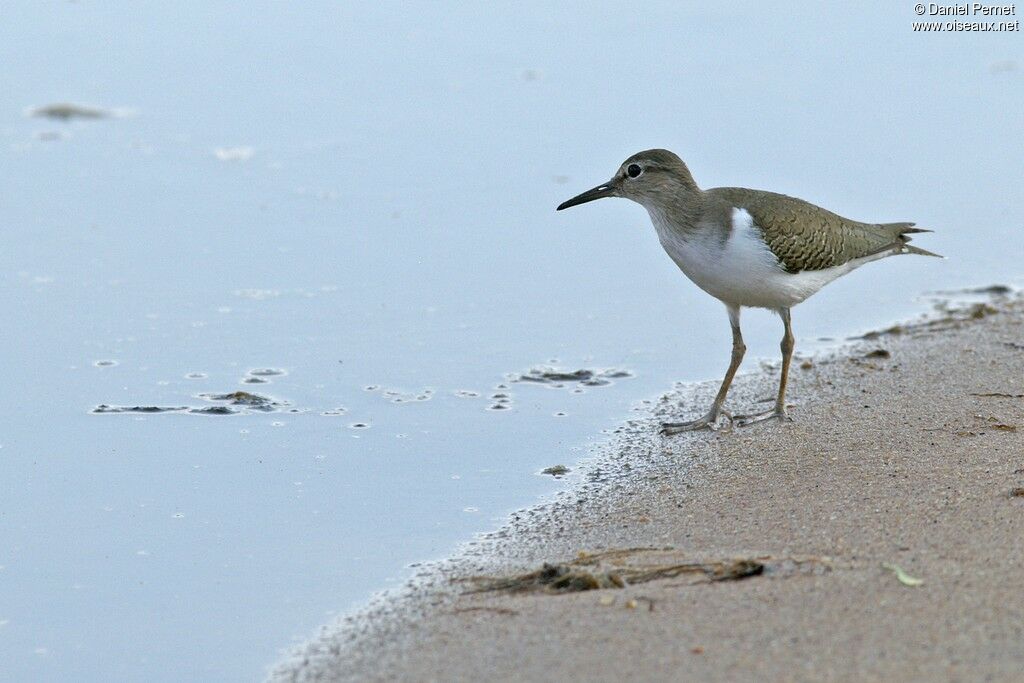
pixel 678 211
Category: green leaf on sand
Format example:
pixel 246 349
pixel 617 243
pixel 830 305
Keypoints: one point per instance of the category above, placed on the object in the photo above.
pixel 901 576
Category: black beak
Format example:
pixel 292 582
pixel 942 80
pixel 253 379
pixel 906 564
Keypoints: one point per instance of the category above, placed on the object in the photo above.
pixel 599 192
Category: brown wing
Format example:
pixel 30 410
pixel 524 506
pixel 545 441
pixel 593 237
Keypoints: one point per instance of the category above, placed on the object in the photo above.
pixel 807 237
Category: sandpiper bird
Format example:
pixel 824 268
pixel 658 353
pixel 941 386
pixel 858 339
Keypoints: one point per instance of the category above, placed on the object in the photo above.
pixel 747 248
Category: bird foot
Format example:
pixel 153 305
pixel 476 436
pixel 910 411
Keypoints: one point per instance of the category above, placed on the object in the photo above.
pixel 713 421
pixel 776 413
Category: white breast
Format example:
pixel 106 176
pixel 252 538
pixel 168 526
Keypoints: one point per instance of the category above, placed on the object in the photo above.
pixel 741 270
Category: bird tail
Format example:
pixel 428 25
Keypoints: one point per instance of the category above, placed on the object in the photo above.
pixel 907 249
pixel 900 231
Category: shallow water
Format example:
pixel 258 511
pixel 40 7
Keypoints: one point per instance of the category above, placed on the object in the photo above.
pixel 363 197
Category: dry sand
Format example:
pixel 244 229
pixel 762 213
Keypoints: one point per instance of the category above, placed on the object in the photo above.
pixel 890 460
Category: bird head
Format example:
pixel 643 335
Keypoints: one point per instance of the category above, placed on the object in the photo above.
pixel 649 178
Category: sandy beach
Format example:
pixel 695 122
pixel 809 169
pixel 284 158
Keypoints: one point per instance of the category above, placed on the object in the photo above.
pixel 877 537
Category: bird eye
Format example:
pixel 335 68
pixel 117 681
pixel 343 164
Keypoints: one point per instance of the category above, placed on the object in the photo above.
pixel 634 170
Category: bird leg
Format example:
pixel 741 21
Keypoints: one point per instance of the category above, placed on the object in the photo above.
pixel 711 419
pixel 779 411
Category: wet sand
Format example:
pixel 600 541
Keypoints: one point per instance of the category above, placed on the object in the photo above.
pixel 905 450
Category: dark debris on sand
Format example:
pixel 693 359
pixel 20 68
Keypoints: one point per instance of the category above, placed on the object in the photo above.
pixel 619 568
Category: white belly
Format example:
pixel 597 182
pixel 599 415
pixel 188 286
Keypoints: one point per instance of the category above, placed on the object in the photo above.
pixel 742 270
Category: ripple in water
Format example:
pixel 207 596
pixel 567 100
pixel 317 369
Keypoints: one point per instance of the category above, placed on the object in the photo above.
pixel 267 372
